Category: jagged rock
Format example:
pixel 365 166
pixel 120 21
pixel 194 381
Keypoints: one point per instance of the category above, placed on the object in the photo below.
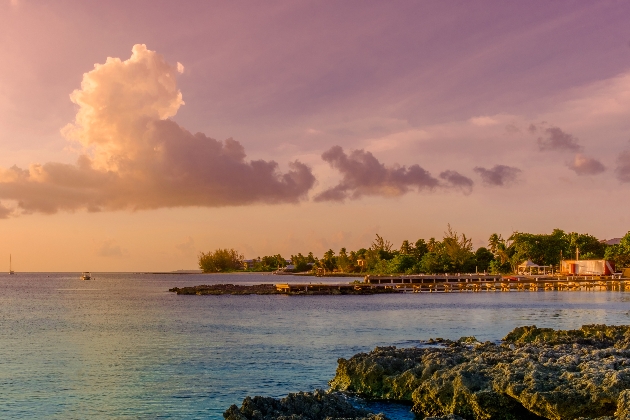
pixel 623 405
pixel 535 373
pixel 448 417
pixel 317 405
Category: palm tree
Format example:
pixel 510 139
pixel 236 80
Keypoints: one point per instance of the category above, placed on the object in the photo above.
pixel 494 242
pixel 498 247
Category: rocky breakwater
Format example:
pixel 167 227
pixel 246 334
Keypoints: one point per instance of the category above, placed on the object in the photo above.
pixel 317 405
pixel 534 373
pixel 271 289
pixel 226 289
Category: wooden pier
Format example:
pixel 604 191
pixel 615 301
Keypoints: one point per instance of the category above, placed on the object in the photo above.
pixel 461 283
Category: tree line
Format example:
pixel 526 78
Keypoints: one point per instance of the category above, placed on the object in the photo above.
pixel 454 253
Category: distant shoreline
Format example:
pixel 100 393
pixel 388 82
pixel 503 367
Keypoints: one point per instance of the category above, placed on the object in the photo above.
pixel 263 273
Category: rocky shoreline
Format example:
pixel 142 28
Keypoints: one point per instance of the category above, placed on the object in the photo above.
pixel 299 406
pixel 533 373
pixel 270 289
pixel 226 289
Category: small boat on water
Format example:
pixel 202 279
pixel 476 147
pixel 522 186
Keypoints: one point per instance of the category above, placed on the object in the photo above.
pixel 86 275
pixel 10 266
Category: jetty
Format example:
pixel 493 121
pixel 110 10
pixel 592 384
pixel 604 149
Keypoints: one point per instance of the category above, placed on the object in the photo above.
pixel 459 283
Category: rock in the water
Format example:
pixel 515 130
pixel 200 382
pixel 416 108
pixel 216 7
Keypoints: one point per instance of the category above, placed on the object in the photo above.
pixel 317 405
pixel 535 373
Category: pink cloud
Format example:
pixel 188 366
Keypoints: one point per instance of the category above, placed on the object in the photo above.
pixel 134 157
pixel 584 165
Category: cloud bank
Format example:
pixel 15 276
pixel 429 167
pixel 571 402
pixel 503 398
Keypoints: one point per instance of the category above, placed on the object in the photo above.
pixel 364 175
pixel 134 157
pixel 499 175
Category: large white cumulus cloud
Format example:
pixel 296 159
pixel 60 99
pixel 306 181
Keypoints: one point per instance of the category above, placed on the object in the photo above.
pixel 134 157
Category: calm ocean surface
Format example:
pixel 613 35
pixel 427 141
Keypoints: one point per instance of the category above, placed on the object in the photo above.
pixel 122 346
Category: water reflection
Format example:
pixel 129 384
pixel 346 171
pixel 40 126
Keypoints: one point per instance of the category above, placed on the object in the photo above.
pixel 122 346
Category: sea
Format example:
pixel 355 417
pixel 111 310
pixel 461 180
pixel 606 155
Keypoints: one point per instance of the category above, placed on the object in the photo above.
pixel 122 346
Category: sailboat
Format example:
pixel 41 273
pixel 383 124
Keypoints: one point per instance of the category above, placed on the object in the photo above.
pixel 10 267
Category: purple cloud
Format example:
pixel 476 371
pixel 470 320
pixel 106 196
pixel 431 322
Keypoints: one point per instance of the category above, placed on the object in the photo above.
pixel 362 174
pixel 457 180
pixel 623 166
pixel 498 175
pixel 584 165
pixel 556 139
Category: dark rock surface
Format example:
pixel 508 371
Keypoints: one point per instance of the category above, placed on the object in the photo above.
pixel 226 289
pixel 270 289
pixel 317 405
pixel 534 373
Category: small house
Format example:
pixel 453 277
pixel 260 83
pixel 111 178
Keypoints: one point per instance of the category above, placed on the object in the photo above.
pixel 588 267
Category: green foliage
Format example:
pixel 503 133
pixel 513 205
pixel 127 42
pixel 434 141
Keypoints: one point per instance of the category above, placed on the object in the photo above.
pixel 483 258
pixel 269 263
pixel 329 261
pixel 548 249
pixel 541 249
pixel 433 262
pixel 382 247
pixel 496 267
pixel 344 262
pixel 221 260
pixel 590 247
pixel 405 248
pixel 401 263
pixel 420 248
pixel 620 253
pixel 300 262
pixel 453 254
pixel 458 250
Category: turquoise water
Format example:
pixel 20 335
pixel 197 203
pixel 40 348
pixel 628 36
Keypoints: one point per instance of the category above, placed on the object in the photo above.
pixel 122 346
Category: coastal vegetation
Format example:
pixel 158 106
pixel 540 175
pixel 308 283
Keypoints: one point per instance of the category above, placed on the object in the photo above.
pixel 221 260
pixel 454 253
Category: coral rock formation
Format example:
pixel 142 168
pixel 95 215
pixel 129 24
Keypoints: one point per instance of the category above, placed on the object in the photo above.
pixel 317 405
pixel 534 373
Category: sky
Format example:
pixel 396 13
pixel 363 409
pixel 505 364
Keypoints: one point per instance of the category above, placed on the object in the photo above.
pixel 135 135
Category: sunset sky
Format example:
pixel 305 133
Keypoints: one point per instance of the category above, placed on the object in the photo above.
pixel 134 135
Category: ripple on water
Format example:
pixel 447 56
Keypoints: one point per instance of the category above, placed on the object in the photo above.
pixel 124 347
